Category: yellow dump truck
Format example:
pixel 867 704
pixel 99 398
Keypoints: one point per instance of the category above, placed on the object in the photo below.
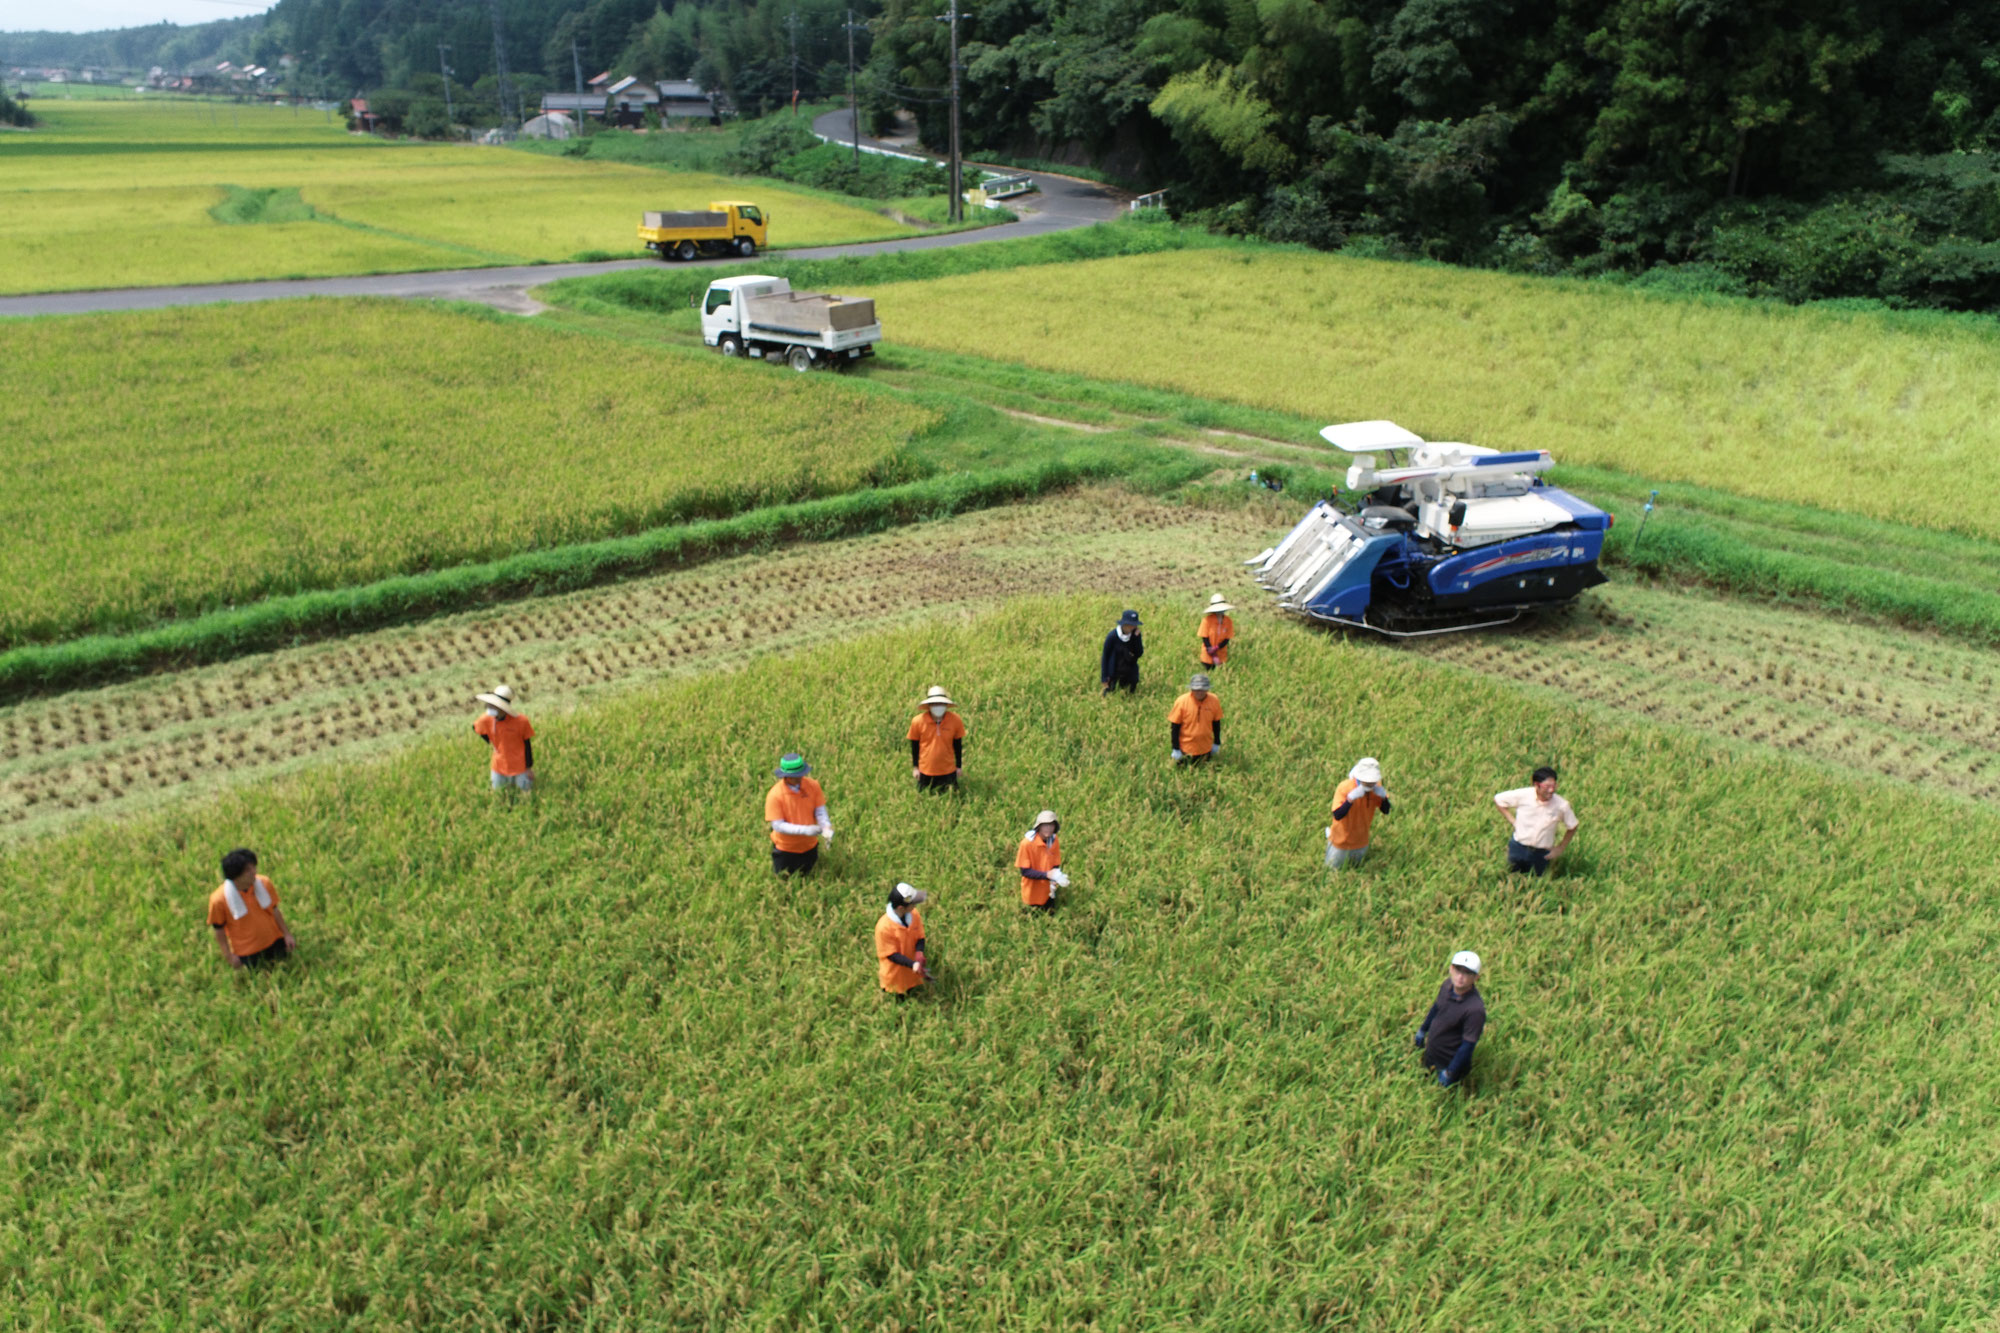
pixel 728 228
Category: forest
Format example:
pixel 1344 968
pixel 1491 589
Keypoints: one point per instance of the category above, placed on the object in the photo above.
pixel 1764 147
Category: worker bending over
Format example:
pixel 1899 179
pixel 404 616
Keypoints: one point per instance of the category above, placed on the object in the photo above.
pixel 1217 629
pixel 1040 864
pixel 1455 1023
pixel 250 928
pixel 937 743
pixel 1194 724
pixel 1533 814
pixel 795 808
pixel 512 738
pixel 899 943
pixel 1355 805
pixel 1118 664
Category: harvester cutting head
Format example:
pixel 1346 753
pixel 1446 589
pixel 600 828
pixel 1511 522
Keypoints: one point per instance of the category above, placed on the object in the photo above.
pixel 1446 537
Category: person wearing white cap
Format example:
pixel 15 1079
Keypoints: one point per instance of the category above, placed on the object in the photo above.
pixel 937 743
pixel 1355 805
pixel 899 943
pixel 1217 629
pixel 1194 724
pixel 1040 863
pixel 512 738
pixel 1456 1021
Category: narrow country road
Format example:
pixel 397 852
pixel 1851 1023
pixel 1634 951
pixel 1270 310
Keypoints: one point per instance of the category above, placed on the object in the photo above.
pixel 1062 204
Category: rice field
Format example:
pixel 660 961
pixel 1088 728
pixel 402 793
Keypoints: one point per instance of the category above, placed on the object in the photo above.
pixel 584 1062
pixel 168 462
pixel 119 193
pixel 1878 415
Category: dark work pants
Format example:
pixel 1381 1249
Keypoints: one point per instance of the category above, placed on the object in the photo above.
pixel 277 953
pixel 925 782
pixel 1526 860
pixel 788 863
pixel 1129 684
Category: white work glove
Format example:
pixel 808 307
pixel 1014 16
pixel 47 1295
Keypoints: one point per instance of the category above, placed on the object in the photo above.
pixel 1057 878
pixel 1380 790
pixel 1328 830
pixel 1178 756
pixel 826 834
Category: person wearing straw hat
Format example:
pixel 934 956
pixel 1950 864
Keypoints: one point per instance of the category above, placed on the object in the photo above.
pixel 1355 805
pixel 899 943
pixel 1195 724
pixel 512 738
pixel 795 809
pixel 937 743
pixel 250 927
pixel 1456 1021
pixel 1118 664
pixel 1040 863
pixel 1217 629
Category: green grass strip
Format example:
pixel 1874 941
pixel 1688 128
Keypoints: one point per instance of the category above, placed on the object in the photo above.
pixel 283 621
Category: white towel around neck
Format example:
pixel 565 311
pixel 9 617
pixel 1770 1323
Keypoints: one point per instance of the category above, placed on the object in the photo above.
pixel 234 897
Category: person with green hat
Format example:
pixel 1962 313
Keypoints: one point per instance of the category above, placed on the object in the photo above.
pixel 1118 664
pixel 795 808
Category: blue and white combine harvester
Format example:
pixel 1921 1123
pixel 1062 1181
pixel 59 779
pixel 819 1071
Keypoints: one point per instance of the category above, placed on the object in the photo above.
pixel 1450 537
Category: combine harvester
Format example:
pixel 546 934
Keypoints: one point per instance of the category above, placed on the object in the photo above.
pixel 1451 537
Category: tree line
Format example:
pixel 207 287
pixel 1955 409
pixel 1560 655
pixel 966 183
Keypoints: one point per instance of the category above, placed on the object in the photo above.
pixel 1845 148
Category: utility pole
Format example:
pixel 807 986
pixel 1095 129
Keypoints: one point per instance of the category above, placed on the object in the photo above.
pixel 853 100
pixel 576 63
pixel 792 23
pixel 510 113
pixel 957 187
pixel 444 50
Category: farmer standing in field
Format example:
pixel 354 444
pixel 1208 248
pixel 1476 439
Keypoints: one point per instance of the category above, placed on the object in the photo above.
pixel 1040 863
pixel 1195 724
pixel 512 738
pixel 1355 805
pixel 1118 665
pixel 937 743
pixel 1217 629
pixel 1455 1023
pixel 899 943
pixel 250 929
pixel 795 808
pixel 1532 815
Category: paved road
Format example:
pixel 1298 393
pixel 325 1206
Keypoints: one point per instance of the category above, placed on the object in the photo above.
pixel 1063 203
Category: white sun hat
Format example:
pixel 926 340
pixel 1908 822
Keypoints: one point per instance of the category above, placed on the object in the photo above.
pixel 1466 959
pixel 501 698
pixel 1217 606
pixel 909 896
pixel 1368 770
pixel 937 696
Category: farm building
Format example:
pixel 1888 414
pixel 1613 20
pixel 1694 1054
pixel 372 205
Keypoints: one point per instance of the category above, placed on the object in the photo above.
pixel 550 125
pixel 683 99
pixel 574 105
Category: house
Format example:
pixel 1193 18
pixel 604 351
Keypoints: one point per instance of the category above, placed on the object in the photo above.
pixel 599 83
pixel 363 117
pixel 685 100
pixel 574 104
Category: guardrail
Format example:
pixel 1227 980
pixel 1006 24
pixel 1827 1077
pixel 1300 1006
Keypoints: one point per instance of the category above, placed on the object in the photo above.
pixel 1005 187
pixel 1157 199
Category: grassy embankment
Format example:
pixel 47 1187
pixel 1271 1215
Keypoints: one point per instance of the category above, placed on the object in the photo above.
pixel 125 193
pixel 584 1061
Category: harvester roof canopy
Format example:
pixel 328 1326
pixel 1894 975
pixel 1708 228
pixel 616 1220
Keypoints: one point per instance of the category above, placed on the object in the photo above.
pixel 1367 437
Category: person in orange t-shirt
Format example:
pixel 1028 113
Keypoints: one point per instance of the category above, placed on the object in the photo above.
pixel 937 743
pixel 795 809
pixel 1217 629
pixel 250 928
pixel 1040 863
pixel 899 943
pixel 1195 723
pixel 1355 804
pixel 512 738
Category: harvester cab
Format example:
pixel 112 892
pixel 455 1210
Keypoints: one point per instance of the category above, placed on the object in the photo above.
pixel 1446 537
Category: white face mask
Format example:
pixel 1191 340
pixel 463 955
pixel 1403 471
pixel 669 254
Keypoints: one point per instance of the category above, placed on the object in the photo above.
pixel 1124 633
pixel 491 711
pixel 937 710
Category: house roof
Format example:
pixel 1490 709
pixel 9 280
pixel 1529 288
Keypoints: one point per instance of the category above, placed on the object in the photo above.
pixel 573 101
pixel 622 84
pixel 682 88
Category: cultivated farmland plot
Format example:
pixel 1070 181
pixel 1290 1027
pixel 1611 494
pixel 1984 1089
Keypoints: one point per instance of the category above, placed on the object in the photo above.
pixel 120 193
pixel 1881 415
pixel 583 1060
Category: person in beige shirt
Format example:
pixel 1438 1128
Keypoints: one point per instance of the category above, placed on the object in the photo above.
pixel 1533 815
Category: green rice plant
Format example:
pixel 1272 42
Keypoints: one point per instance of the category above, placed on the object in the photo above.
pixel 169 463
pixel 584 1062
pixel 1854 412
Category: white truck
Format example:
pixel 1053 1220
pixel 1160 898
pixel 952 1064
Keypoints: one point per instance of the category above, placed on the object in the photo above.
pixel 762 317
